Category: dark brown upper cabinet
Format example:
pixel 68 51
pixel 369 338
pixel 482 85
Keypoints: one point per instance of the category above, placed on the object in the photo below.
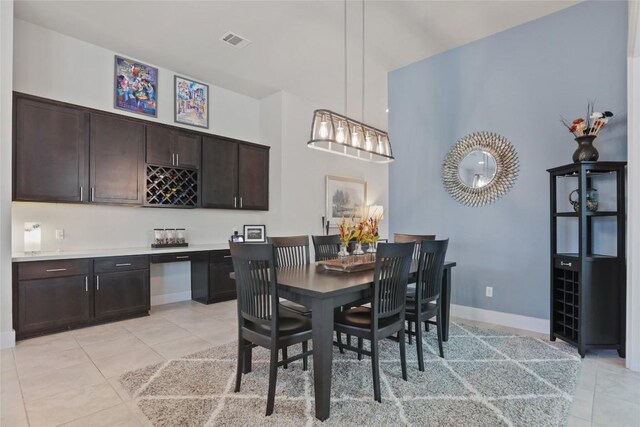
pixel 173 147
pixel 253 177
pixel 234 175
pixel 50 152
pixel 116 160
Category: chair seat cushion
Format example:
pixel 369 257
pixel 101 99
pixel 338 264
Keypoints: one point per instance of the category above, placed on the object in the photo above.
pixel 361 317
pixel 298 308
pixel 289 323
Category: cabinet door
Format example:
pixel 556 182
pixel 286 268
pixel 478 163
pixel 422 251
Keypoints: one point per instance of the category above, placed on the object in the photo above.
pixel 253 177
pixel 48 304
pixel 160 145
pixel 219 174
pixel 117 160
pixel 51 152
pixel 187 149
pixel 221 286
pixel 121 293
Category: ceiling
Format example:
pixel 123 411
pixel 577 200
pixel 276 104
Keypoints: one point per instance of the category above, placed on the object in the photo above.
pixel 297 46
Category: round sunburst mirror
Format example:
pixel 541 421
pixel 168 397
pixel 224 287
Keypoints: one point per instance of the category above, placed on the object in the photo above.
pixel 480 168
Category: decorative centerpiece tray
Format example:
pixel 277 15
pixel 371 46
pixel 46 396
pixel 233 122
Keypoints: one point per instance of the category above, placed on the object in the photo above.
pixel 169 245
pixel 349 264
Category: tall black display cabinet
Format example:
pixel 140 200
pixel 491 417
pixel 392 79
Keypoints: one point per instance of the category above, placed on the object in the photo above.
pixel 588 290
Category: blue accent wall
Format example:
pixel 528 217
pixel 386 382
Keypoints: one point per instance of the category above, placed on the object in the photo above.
pixel 516 83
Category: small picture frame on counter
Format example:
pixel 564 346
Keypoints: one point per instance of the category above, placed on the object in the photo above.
pixel 255 234
pixel 237 238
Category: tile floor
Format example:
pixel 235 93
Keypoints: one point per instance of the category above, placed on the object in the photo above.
pixel 70 378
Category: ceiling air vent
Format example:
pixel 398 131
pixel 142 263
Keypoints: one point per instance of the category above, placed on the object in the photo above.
pixel 235 40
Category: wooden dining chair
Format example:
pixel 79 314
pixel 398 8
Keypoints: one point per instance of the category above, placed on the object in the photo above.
pixel 326 247
pixel 386 316
pixel 262 321
pixel 426 303
pixel 417 239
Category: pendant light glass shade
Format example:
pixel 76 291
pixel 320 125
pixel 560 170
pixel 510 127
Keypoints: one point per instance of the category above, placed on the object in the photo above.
pixel 339 134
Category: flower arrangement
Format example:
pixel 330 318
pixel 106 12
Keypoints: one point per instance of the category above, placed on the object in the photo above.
pixel 347 231
pixel 590 126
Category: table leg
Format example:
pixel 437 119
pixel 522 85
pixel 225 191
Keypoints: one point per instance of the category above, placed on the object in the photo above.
pixel 445 303
pixel 322 325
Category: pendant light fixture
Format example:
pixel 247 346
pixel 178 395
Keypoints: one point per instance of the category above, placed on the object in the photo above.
pixel 339 134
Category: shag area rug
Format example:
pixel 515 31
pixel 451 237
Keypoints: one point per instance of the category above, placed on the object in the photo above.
pixel 488 378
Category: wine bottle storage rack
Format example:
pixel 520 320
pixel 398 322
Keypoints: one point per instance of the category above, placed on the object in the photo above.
pixel 171 186
pixel 566 303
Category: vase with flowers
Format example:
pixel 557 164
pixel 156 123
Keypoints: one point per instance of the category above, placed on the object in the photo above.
pixel 361 235
pixel 586 131
pixel 373 225
pixel 346 230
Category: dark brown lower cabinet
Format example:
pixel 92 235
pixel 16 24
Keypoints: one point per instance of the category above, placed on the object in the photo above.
pixel 120 293
pixel 52 296
pixel 210 281
pixel 53 303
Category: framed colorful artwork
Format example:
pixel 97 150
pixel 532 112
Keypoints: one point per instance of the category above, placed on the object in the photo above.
pixel 191 102
pixel 136 87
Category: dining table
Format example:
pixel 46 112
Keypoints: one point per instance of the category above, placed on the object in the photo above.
pixel 323 291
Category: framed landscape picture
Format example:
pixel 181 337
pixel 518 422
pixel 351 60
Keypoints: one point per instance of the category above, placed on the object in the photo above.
pixel 191 102
pixel 136 87
pixel 346 197
pixel 255 234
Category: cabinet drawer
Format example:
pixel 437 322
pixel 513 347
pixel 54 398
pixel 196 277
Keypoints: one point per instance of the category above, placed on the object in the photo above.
pixel 567 264
pixel 47 269
pixel 220 256
pixel 175 257
pixel 121 263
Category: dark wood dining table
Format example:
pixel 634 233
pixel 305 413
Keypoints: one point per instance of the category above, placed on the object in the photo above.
pixel 324 291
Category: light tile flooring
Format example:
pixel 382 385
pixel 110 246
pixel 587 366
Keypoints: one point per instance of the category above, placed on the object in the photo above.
pixel 70 378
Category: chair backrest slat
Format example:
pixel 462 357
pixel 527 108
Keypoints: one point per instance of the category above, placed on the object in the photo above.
pixel 417 238
pixel 256 281
pixel 326 247
pixel 290 251
pixel 393 261
pixel 430 268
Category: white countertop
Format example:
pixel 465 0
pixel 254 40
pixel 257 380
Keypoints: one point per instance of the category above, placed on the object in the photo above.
pixel 97 253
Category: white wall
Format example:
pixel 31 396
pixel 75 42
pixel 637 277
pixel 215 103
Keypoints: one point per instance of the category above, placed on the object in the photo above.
pixel 81 73
pixel 7 336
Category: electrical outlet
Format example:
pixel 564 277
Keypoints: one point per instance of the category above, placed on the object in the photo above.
pixel 490 291
pixel 60 234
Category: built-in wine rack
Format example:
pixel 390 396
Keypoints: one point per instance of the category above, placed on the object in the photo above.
pixel 566 304
pixel 174 187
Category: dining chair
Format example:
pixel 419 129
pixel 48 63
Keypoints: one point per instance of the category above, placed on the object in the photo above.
pixel 386 316
pixel 426 303
pixel 292 251
pixel 326 247
pixel 262 321
pixel 417 239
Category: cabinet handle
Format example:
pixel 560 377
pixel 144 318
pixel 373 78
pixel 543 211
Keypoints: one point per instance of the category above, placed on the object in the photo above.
pixel 124 264
pixel 92 193
pixel 86 283
pixel 53 270
pixel 567 264
pixel 183 257
pixel 240 202
pixel 97 282
pixel 81 192
pixel 235 202
pixel 173 159
pixel 227 256
pixel 177 159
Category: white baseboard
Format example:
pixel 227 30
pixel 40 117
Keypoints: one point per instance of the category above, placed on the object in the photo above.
pixel 8 339
pixel 169 298
pixel 499 318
